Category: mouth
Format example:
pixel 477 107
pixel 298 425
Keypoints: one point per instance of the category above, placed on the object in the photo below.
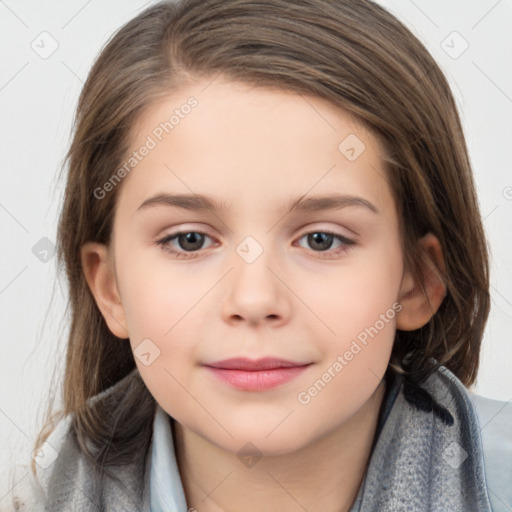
pixel 256 375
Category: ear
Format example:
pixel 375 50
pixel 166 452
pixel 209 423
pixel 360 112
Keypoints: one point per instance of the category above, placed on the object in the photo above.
pixel 100 276
pixel 419 303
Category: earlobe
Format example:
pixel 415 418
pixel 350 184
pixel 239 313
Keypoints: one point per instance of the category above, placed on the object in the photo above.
pixel 100 277
pixel 420 303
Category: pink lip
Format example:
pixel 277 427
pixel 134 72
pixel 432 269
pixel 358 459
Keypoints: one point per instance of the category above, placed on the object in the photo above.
pixel 256 375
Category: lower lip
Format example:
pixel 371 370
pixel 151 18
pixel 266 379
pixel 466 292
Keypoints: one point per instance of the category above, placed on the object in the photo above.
pixel 257 380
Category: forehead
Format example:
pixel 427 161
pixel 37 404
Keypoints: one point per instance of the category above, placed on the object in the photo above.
pixel 246 145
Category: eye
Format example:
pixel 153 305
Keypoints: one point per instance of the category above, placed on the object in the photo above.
pixel 184 244
pixel 322 241
pixel 187 242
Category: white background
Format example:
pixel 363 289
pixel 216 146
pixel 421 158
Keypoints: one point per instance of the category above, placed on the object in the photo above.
pixel 37 100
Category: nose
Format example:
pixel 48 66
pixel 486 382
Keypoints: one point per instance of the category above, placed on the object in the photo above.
pixel 257 293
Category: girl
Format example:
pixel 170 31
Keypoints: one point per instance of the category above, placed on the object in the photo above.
pixel 278 273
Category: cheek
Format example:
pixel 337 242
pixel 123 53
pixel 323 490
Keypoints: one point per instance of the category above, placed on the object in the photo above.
pixel 357 355
pixel 361 309
pixel 360 293
pixel 159 325
pixel 157 295
pixel 160 303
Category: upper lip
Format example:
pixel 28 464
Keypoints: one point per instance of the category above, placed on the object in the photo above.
pixel 242 363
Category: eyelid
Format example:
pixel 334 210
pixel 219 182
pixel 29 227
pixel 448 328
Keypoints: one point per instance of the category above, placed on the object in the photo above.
pixel 181 231
pixel 319 228
pixel 327 232
pixel 183 228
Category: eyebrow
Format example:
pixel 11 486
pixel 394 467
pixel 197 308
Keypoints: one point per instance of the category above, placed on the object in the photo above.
pixel 185 201
pixel 302 204
pixel 329 202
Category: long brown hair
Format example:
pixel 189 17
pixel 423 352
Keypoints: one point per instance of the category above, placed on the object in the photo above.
pixel 352 53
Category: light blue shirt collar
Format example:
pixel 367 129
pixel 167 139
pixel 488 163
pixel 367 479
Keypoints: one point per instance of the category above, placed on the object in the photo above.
pixel 166 489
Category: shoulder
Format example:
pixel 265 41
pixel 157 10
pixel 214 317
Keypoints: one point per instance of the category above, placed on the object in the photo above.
pixel 29 490
pixel 66 480
pixel 491 423
pixel 495 420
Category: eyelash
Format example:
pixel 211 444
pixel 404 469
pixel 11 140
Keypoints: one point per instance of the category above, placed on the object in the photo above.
pixel 163 242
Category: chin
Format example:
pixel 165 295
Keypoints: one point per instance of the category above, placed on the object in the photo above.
pixel 261 444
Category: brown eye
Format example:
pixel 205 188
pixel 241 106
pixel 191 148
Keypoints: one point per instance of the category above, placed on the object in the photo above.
pixel 321 241
pixel 184 242
pixel 190 241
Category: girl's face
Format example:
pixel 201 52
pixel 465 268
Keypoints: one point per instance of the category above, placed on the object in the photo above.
pixel 317 282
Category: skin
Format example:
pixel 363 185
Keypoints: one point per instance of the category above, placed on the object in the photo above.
pixel 255 150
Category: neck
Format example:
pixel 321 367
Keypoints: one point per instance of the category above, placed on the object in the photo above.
pixel 325 475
